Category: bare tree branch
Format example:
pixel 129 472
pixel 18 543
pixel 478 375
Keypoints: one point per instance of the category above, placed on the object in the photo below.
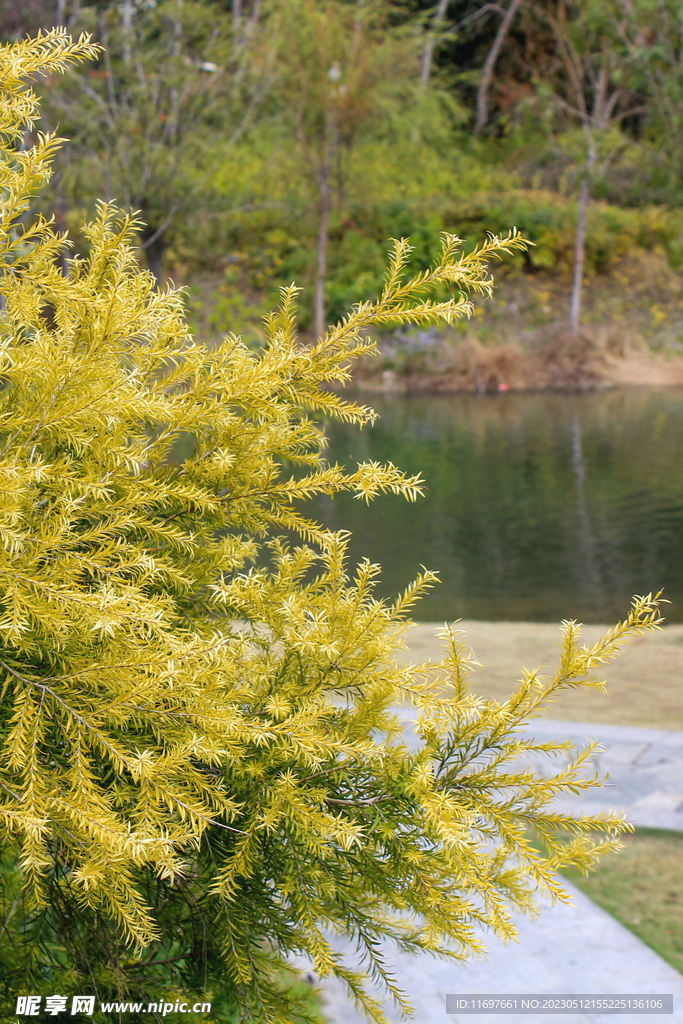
pixel 431 41
pixel 489 66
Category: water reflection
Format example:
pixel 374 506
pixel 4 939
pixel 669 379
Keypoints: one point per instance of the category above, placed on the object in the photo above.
pixel 539 506
pixel 585 535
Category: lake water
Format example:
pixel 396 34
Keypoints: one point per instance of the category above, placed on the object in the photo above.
pixel 539 506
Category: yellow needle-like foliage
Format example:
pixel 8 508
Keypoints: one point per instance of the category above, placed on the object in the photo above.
pixel 183 729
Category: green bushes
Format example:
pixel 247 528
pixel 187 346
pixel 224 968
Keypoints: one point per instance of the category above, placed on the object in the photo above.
pixel 270 253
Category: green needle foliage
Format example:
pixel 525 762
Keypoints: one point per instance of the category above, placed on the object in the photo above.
pixel 201 767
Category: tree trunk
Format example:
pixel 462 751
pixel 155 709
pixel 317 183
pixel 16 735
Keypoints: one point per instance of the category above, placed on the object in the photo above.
pixel 431 41
pixel 154 250
pixel 323 231
pixel 255 15
pixel 579 256
pixel 489 67
pixel 73 16
pixel 588 548
pixel 62 259
pixel 127 25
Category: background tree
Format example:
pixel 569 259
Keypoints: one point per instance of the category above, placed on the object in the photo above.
pixel 590 88
pixel 198 755
pixel 172 93
pixel 338 62
pixel 490 64
pixel 431 40
pixel 653 37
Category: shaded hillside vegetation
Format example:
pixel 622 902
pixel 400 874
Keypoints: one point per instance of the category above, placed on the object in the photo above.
pixel 271 142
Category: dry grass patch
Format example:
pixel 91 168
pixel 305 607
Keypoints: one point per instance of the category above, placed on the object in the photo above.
pixel 645 685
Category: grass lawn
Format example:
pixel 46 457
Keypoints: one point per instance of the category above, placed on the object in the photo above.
pixel 642 886
pixel 311 1003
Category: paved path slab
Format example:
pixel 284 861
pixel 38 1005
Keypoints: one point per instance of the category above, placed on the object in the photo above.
pixel 644 769
pixel 567 949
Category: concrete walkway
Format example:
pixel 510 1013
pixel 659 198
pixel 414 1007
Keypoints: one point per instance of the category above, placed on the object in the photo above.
pixel 644 768
pixel 567 949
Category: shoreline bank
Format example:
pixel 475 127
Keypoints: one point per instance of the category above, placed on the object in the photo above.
pixel 631 334
pixel 471 368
